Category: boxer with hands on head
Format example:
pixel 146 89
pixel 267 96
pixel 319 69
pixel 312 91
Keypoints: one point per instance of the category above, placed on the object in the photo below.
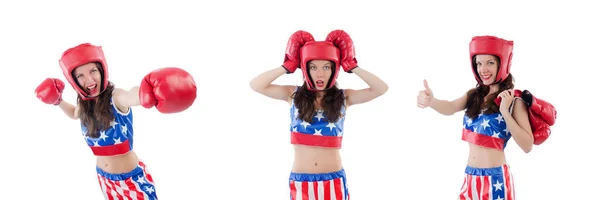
pixel 318 109
pixel 492 117
pixel 107 118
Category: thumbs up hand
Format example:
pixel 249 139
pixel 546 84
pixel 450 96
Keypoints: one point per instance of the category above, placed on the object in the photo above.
pixel 425 96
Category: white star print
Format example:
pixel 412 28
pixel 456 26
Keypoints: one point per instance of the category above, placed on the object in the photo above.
pixel 295 129
pixel 498 185
pixel 103 135
pixel 296 112
pixel 149 189
pixel 113 123
pixel 480 114
pixel 96 143
pixel 496 134
pixel 499 198
pixel 340 133
pixel 319 116
pixel 117 141
pixel 305 124
pixel 475 129
pixel 506 130
pixel 331 126
pixel 141 180
pixel 485 123
pixel 469 121
pixel 318 132
pixel 123 129
pixel 500 118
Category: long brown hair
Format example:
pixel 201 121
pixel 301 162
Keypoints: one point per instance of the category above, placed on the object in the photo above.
pixel 476 97
pixel 332 103
pixel 96 114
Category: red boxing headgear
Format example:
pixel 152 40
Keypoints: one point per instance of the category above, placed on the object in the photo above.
pixel 493 46
pixel 319 51
pixel 81 55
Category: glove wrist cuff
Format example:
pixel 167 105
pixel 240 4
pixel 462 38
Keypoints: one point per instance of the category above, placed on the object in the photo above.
pixel 287 69
pixel 58 102
pixel 350 69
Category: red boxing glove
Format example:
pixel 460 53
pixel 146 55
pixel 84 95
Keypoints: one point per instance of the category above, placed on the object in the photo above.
pixel 544 109
pixel 50 91
pixel 291 62
pixel 342 41
pixel 170 90
pixel 541 130
pixel 541 114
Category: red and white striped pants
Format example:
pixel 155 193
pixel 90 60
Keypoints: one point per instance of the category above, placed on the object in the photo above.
pixel 488 184
pixel 324 186
pixel 134 185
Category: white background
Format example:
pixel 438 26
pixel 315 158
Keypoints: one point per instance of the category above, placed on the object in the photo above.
pixel 234 143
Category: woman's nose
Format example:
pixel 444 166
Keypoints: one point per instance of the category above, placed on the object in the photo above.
pixel 319 72
pixel 88 79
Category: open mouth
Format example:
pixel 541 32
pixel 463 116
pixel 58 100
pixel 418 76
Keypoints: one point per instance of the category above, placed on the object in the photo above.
pixel 486 76
pixel 320 83
pixel 92 88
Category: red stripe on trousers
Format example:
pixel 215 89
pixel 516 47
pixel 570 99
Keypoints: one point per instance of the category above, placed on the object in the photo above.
pixel 326 190
pixel 108 187
pixel 478 185
pixel 316 189
pixel 132 188
pixel 337 184
pixel 103 185
pixel 487 181
pixel 305 190
pixel 469 191
pixel 462 197
pixel 293 190
pixel 507 183
pixel 112 183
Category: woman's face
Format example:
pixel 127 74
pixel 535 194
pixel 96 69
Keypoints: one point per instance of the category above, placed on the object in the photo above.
pixel 320 71
pixel 487 68
pixel 88 76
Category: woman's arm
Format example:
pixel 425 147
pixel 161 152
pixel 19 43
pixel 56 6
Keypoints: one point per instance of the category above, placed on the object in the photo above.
pixel 448 108
pixel 444 107
pixel 70 110
pixel 124 99
pixel 518 125
pixel 263 85
pixel 377 87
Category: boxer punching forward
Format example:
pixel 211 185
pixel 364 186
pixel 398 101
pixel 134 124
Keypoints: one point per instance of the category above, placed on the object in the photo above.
pixel 106 115
pixel 318 109
pixel 492 117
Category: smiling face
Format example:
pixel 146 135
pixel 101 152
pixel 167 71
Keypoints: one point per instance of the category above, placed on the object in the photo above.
pixel 89 77
pixel 320 71
pixel 487 68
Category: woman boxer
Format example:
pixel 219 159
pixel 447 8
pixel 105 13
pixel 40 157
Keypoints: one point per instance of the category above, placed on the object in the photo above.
pixel 317 110
pixel 491 118
pixel 106 115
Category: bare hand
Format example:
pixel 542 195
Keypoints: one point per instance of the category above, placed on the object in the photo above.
pixel 425 96
pixel 507 98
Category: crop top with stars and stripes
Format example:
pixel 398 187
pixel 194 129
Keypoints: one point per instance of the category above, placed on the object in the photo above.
pixel 487 130
pixel 320 132
pixel 117 139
